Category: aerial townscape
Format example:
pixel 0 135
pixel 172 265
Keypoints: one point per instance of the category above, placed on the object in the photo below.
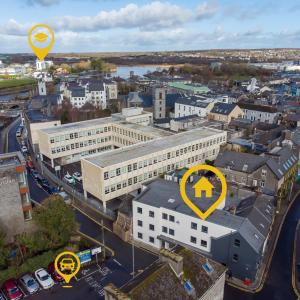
pixel 145 158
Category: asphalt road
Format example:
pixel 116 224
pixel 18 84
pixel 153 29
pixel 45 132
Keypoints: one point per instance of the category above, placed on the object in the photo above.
pixel 278 285
pixel 119 267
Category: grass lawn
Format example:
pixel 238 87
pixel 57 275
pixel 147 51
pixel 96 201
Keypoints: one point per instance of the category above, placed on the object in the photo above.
pixel 9 83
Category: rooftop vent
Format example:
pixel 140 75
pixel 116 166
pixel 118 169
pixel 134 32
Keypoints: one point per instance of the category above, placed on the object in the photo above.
pixel 171 200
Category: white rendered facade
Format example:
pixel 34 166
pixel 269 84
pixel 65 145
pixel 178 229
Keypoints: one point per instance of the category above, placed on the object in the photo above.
pixel 186 229
pixel 183 110
pixel 262 116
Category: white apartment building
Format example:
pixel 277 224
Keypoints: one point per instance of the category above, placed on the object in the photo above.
pixel 121 171
pixel 238 239
pixel 190 106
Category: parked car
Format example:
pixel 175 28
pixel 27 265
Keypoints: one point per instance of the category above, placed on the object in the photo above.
pixel 34 174
pixel 44 279
pixel 29 283
pixel 68 178
pixel 77 176
pixel 55 276
pixel 65 197
pixel 24 149
pixel 11 290
pixel 19 132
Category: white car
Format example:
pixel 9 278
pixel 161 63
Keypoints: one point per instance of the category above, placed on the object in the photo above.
pixel 24 149
pixel 44 279
pixel 77 176
pixel 68 178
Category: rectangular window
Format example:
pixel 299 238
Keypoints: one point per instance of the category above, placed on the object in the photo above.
pixel 140 223
pixel 139 210
pixel 164 229
pixel 204 229
pixel 129 168
pixel 193 240
pixel 151 213
pixel 237 242
pixel 118 171
pixel 151 227
pixel 140 235
pixel 203 243
pixel 194 225
pixel 171 218
pixel 105 175
pixel 165 216
pixel 235 257
pixel 171 232
pixel 151 239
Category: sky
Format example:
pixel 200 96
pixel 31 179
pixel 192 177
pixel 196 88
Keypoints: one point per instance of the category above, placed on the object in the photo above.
pixel 119 25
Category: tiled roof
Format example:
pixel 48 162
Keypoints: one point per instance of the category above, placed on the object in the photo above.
pixel 223 108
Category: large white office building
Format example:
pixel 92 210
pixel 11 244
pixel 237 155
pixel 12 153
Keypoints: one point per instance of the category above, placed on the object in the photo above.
pixel 117 172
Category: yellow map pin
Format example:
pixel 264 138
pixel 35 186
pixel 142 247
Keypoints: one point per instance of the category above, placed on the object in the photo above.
pixel 41 40
pixel 204 185
pixel 67 265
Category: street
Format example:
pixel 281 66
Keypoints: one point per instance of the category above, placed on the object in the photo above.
pixel 119 268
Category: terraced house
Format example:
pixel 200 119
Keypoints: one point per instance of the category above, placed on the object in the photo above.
pixel 271 173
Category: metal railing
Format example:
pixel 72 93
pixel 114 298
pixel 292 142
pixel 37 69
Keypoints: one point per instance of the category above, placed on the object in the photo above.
pixel 81 200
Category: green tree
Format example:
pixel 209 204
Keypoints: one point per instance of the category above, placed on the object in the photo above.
pixel 56 220
pixel 3 250
pixel 98 65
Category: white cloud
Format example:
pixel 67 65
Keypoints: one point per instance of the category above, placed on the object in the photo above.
pixel 153 15
pixel 207 10
pixel 43 2
pixel 12 27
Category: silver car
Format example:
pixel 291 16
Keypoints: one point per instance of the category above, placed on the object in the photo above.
pixel 29 283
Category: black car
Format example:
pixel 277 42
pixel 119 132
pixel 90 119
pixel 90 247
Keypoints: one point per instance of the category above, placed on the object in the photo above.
pixel 34 173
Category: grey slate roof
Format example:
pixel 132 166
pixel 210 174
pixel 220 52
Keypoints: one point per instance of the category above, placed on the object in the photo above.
pixel 192 101
pixel 77 92
pixel 94 86
pixel 256 107
pixel 238 161
pixel 279 162
pixel 223 108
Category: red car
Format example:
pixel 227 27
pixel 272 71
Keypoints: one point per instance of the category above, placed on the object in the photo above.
pixel 11 290
pixel 55 276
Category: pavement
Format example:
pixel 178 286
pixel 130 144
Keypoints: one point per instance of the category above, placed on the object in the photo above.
pixel 296 262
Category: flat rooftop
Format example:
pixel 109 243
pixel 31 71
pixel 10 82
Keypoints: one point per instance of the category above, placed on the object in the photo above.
pixel 78 125
pixel 113 157
pixel 146 129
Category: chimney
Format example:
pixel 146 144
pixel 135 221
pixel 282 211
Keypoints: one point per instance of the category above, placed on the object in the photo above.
pixel 174 260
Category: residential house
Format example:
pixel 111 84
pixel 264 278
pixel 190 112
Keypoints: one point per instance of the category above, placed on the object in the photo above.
pixel 270 173
pixel 225 112
pixel 188 106
pixel 262 113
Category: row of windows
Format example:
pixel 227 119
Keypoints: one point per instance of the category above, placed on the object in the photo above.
pixel 151 238
pixel 80 145
pixel 151 161
pixel 148 175
pixel 75 135
pixel 193 240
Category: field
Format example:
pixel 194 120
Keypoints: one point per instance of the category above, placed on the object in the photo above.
pixel 10 83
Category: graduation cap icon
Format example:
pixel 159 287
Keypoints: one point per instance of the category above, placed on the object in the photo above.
pixel 41 37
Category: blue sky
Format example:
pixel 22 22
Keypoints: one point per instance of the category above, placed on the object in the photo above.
pixel 119 25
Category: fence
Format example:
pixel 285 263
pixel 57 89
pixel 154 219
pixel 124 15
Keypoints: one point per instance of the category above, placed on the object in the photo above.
pixel 86 204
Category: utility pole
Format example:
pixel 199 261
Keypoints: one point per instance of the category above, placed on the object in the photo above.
pixel 103 240
pixel 132 247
